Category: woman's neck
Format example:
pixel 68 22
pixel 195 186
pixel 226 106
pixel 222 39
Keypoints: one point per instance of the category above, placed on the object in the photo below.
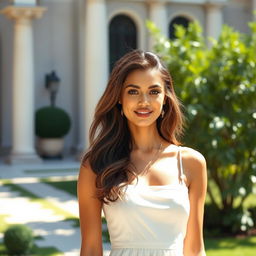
pixel 145 139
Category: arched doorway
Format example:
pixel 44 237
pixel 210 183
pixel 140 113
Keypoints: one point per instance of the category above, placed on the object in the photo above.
pixel 122 37
pixel 178 20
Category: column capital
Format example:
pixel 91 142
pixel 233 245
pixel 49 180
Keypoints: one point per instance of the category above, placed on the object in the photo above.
pixel 23 12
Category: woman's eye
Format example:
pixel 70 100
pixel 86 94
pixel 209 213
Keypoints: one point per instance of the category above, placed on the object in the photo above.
pixel 155 92
pixel 132 92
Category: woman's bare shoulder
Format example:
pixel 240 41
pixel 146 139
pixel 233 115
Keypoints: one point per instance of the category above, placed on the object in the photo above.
pixel 85 167
pixel 194 163
pixel 192 155
pixel 86 175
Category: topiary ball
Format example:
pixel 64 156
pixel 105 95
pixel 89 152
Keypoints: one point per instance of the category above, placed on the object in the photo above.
pixel 18 239
pixel 52 122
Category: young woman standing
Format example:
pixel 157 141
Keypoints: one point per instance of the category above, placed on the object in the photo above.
pixel 151 189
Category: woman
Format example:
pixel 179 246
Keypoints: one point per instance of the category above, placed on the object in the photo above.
pixel 151 189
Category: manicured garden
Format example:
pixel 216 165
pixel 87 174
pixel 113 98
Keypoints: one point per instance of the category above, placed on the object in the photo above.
pixel 215 246
pixel 45 204
pixel 216 85
pixel 220 246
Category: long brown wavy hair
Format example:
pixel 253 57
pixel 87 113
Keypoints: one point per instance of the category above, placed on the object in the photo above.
pixel 110 138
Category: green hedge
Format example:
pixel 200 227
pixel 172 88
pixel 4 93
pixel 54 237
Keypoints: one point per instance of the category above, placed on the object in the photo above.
pixel 51 122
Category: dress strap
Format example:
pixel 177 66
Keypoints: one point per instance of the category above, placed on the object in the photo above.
pixel 180 164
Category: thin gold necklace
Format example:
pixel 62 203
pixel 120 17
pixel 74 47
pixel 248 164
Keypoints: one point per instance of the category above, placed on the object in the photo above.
pixel 151 162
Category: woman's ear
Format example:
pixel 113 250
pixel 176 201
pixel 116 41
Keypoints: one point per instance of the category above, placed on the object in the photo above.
pixel 164 100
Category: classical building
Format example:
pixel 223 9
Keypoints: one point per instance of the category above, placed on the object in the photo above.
pixel 80 40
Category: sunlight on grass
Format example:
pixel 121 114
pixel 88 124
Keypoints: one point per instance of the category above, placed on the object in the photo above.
pixel 34 198
pixel 67 186
pixel 42 251
pixel 231 246
pixel 43 202
pixel 3 224
pixel 36 251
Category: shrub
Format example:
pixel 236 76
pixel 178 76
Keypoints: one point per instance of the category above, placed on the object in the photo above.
pixel 18 239
pixel 217 85
pixel 51 122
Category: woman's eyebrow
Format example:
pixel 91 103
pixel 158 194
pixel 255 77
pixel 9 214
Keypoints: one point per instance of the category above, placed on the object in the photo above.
pixel 138 87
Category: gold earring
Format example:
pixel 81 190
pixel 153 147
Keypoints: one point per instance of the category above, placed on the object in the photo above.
pixel 162 113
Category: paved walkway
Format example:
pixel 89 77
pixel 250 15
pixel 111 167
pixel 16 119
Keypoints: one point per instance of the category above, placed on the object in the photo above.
pixel 44 221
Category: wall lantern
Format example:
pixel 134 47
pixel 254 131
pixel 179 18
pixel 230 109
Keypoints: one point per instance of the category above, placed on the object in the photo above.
pixel 52 83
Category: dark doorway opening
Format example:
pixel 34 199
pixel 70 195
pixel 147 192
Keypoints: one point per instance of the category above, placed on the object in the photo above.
pixel 179 20
pixel 122 38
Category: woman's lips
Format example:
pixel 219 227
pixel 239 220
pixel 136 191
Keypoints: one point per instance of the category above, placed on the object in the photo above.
pixel 143 113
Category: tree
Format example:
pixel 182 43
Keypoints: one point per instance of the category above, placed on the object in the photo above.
pixel 217 85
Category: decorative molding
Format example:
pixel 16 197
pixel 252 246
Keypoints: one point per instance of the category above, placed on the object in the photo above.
pixel 18 12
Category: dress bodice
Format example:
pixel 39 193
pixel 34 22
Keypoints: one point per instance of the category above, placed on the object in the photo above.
pixel 151 217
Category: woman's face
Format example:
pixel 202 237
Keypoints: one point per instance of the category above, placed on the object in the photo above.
pixel 143 96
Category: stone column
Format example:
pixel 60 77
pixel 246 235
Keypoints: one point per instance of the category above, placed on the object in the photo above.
pixel 23 150
pixel 214 20
pixel 158 15
pixel 81 79
pixel 96 58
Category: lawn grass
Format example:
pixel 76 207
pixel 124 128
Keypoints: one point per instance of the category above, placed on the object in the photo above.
pixel 3 224
pixel 231 246
pixel 45 251
pixel 67 186
pixel 36 251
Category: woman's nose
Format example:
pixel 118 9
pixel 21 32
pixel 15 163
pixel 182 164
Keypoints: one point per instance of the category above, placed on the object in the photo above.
pixel 144 98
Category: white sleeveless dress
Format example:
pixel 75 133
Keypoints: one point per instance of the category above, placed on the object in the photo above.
pixel 149 220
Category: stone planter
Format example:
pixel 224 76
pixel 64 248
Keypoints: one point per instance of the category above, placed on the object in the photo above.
pixel 50 147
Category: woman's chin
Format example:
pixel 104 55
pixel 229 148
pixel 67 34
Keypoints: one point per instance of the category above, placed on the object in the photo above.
pixel 142 123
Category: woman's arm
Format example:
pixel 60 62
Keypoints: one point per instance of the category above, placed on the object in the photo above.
pixel 90 213
pixel 196 173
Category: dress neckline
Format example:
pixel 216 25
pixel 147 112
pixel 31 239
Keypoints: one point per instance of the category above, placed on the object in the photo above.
pixel 167 186
pixel 172 185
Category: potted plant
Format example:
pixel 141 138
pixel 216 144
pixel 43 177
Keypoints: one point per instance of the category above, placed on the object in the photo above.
pixel 51 125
